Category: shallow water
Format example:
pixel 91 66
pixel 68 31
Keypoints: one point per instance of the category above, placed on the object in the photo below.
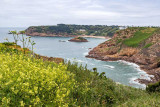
pixel 119 71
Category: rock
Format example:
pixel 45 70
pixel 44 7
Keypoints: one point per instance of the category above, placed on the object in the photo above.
pixel 147 58
pixel 78 39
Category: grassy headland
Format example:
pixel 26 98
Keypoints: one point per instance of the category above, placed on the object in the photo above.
pixel 139 45
pixel 72 30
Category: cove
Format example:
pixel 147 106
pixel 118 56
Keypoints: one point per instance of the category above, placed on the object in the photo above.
pixel 119 71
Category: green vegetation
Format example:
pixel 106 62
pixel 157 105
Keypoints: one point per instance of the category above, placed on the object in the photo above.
pixel 15 36
pixel 25 41
pixel 81 38
pixel 9 43
pixel 148 45
pixel 118 41
pixel 154 87
pixel 141 35
pixel 63 29
pixel 28 81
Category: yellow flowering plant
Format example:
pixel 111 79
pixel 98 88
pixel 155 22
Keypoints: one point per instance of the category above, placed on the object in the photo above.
pixel 25 81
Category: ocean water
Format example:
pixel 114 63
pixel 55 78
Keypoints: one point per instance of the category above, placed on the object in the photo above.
pixel 119 71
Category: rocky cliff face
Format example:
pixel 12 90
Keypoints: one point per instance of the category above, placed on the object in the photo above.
pixel 137 45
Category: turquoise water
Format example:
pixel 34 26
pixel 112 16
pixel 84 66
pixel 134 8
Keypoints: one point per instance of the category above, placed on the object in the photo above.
pixel 120 71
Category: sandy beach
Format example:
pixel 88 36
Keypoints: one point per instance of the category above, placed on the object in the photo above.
pixel 101 37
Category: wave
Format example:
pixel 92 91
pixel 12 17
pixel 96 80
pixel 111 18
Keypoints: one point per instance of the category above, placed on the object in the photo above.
pixel 86 53
pixel 109 66
pixel 143 74
pixel 80 61
pixel 76 60
pixel 134 81
pixel 129 63
pixel 92 64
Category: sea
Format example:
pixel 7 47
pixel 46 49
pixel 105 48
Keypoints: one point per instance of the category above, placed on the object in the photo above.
pixel 121 72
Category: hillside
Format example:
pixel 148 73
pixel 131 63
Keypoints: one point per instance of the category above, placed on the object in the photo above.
pixel 72 30
pixel 28 81
pixel 140 45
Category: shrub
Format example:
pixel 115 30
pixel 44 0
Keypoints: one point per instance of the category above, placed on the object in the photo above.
pixel 153 87
pixel 81 38
pixel 25 81
pixel 9 43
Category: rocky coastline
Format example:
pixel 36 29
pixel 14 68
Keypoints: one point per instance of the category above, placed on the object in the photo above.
pixel 146 58
pixel 66 35
pixel 47 35
pixel 151 70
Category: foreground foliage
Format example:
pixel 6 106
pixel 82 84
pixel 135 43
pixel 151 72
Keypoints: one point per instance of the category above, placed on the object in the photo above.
pixel 154 87
pixel 26 81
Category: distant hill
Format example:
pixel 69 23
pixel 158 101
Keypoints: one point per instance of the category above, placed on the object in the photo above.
pixel 72 30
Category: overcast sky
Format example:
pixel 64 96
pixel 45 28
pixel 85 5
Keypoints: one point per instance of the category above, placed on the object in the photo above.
pixel 24 13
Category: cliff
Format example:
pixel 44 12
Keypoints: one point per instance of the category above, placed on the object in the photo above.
pixel 140 45
pixel 71 30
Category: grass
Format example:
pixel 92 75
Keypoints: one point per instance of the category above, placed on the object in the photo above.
pixel 118 41
pixel 148 45
pixel 90 88
pixel 139 36
pixel 150 100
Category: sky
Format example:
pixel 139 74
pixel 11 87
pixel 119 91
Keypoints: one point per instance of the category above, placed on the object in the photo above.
pixel 25 13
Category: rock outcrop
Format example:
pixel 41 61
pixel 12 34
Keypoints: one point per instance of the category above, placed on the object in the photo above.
pixel 137 45
pixel 78 39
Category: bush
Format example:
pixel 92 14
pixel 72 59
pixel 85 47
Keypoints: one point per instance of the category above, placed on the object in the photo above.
pixel 9 43
pixel 153 87
pixel 81 38
pixel 27 81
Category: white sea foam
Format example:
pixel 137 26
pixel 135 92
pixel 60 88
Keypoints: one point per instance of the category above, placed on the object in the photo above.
pixel 134 81
pixel 86 53
pixel 142 74
pixel 92 64
pixel 84 47
pixel 76 60
pixel 129 63
pixel 109 66
pixel 79 61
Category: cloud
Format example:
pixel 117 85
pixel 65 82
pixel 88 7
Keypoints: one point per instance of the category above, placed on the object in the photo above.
pixel 50 12
pixel 100 15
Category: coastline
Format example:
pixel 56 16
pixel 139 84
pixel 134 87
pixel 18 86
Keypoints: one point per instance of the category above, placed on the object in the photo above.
pixel 90 36
pixel 124 46
pixel 152 74
pixel 143 74
pixel 52 35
